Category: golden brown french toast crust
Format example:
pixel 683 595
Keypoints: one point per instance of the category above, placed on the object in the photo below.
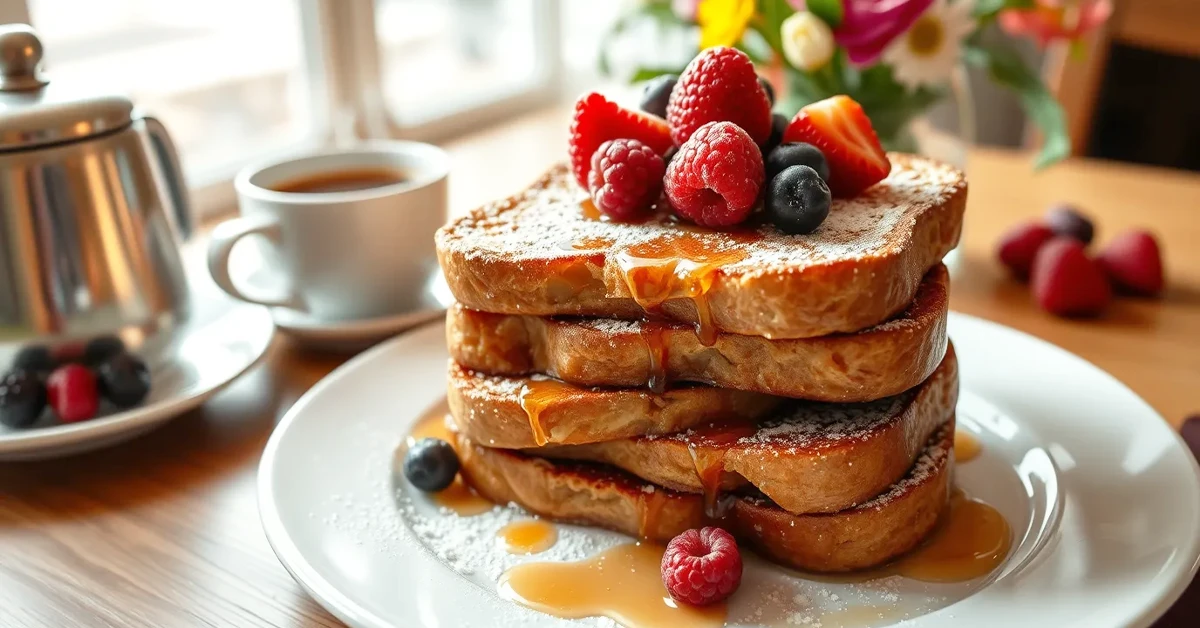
pixel 522 412
pixel 806 457
pixel 870 364
pixel 864 536
pixel 539 253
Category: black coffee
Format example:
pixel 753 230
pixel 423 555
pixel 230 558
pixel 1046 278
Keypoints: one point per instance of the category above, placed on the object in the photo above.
pixel 341 181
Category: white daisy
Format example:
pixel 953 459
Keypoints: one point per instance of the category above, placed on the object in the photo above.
pixel 927 52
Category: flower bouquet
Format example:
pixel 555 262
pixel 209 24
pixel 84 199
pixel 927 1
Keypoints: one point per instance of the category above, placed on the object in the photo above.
pixel 895 57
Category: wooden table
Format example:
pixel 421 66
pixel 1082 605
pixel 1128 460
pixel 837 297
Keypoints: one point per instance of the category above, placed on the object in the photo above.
pixel 164 530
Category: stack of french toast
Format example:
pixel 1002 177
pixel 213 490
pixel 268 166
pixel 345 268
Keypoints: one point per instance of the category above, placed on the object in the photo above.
pixel 654 376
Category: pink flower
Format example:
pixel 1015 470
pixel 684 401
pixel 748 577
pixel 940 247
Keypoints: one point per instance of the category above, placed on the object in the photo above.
pixel 1052 20
pixel 685 9
pixel 868 26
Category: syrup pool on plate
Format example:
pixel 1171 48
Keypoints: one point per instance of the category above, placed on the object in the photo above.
pixel 623 583
pixel 458 497
pixel 528 536
pixel 966 446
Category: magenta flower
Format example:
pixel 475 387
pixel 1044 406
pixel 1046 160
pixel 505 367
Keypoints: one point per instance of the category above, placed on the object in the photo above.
pixel 868 26
pixel 685 9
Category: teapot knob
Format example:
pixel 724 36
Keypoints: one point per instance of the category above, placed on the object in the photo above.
pixel 20 58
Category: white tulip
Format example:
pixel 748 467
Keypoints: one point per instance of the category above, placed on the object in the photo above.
pixel 807 41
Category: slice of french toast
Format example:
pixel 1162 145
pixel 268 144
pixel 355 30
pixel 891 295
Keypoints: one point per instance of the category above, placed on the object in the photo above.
pixel 547 252
pixel 521 412
pixel 806 457
pixel 866 535
pixel 870 364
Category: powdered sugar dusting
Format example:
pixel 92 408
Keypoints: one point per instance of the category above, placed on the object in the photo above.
pixel 544 222
pixel 928 464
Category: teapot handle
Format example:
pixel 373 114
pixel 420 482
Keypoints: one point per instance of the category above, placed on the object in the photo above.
pixel 168 159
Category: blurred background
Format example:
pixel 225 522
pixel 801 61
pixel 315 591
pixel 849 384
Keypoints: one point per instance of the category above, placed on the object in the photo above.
pixel 240 80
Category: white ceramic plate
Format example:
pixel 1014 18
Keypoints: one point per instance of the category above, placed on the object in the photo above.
pixel 199 359
pixel 1103 498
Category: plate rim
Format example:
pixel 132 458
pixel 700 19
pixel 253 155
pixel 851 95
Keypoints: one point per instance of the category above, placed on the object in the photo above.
pixel 337 603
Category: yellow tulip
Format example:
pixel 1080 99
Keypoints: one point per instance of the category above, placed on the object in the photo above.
pixel 722 22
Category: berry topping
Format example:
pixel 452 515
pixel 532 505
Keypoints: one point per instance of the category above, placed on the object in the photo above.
pixel 431 464
pixel 1066 282
pixel 1133 262
pixel 22 398
pixel 719 85
pixel 36 358
pixel 798 200
pixel 839 127
pixel 656 93
pixel 100 349
pixel 702 566
pixel 796 154
pixel 715 179
pixel 1065 220
pixel 73 394
pixel 626 178
pixel 1020 246
pixel 124 380
pixel 598 120
pixel 768 89
pixel 779 124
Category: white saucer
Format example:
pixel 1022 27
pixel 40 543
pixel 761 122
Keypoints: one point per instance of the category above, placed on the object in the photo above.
pixel 1102 496
pixel 429 305
pixel 205 354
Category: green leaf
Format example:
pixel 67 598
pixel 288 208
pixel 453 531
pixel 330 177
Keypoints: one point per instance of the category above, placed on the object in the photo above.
pixel 755 46
pixel 645 74
pixel 774 12
pixel 1008 69
pixel 830 11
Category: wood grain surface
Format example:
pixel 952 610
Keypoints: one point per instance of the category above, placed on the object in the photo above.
pixel 164 530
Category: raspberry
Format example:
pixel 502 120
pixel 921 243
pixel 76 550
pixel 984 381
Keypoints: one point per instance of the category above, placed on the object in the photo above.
pixel 1133 262
pixel 715 178
pixel 625 179
pixel 702 566
pixel 1019 246
pixel 1066 282
pixel 720 84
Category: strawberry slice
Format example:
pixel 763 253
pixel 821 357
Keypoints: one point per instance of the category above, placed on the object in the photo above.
pixel 598 120
pixel 839 127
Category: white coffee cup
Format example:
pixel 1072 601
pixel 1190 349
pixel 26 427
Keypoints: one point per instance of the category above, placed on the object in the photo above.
pixel 343 255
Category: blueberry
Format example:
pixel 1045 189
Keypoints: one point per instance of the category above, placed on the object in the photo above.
pixel 779 124
pixel 98 350
pixel 124 380
pixel 768 89
pixel 798 200
pixel 796 154
pixel 431 464
pixel 22 398
pixel 36 359
pixel 657 92
pixel 1065 220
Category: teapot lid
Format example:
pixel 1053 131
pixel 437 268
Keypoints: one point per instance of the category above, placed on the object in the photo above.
pixel 35 113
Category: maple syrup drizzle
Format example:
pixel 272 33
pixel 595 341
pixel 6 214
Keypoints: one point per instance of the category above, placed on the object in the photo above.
pixel 623 583
pixel 677 267
pixel 654 336
pixel 536 396
pixel 528 536
pixel 966 446
pixel 707 449
pixel 458 497
pixel 650 506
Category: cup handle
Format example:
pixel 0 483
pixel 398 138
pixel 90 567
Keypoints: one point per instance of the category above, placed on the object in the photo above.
pixel 220 246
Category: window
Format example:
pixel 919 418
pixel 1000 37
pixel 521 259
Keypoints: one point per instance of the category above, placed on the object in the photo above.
pixel 237 80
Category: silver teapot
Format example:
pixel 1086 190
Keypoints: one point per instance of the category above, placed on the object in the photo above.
pixel 93 207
